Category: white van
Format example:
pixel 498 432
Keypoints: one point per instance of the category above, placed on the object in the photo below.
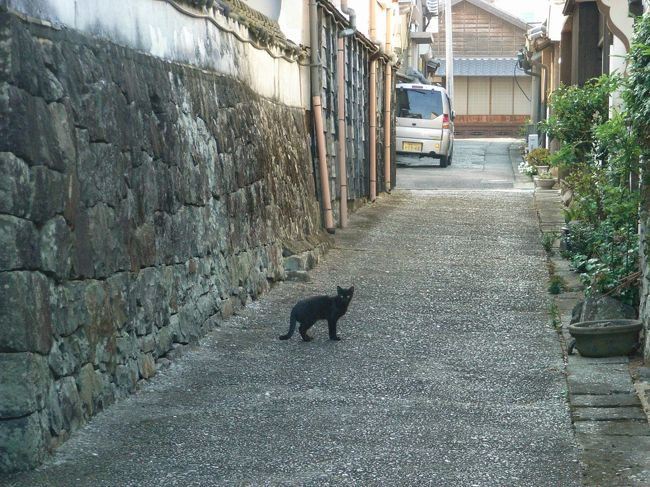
pixel 424 124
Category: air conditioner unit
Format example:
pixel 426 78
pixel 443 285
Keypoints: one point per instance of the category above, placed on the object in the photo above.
pixel 536 32
pixel 421 38
pixel 433 7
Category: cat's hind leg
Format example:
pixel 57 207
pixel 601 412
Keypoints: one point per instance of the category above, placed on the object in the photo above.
pixel 303 330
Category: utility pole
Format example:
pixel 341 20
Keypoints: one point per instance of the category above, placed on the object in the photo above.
pixel 449 51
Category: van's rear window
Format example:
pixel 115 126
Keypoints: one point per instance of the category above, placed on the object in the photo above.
pixel 414 103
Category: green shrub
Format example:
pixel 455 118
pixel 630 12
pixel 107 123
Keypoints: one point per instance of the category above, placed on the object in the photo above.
pixel 602 152
pixel 602 155
pixel 554 315
pixel 574 112
pixel 637 92
pixel 548 239
pixel 617 149
pixel 556 285
pixel 538 157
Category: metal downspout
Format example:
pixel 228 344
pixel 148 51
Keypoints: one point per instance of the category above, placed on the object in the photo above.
pixel 343 174
pixel 372 107
pixel 318 116
pixel 340 80
pixel 536 61
pixel 539 90
pixel 387 100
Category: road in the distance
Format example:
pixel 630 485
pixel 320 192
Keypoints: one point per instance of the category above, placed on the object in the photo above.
pixel 476 164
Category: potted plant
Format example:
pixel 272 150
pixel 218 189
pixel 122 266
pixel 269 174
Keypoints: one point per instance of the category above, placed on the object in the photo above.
pixel 605 338
pixel 544 180
pixel 527 169
pixel 539 158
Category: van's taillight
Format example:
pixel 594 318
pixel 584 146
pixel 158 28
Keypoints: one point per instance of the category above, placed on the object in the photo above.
pixel 445 121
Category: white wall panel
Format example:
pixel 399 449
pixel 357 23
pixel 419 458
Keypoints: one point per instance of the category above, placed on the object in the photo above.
pixel 502 99
pixel 460 95
pixel 522 104
pixel 478 102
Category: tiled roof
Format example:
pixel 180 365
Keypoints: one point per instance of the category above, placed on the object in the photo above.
pixel 482 67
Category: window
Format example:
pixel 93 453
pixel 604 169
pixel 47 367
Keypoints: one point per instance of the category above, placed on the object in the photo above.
pixel 414 103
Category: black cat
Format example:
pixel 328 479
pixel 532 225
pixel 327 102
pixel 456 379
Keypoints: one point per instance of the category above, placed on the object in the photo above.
pixel 310 310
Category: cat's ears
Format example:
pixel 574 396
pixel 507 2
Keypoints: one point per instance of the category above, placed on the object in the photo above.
pixel 340 290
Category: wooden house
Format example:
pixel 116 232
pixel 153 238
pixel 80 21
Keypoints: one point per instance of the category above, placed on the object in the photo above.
pixel 491 95
pixel 582 41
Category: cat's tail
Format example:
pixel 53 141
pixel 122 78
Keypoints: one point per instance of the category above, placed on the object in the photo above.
pixel 292 328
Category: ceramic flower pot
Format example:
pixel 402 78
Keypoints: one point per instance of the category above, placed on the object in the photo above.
pixel 605 338
pixel 544 183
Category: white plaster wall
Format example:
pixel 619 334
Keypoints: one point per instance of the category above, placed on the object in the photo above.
pixel 270 8
pixel 361 9
pixel 617 55
pixel 294 11
pixel 294 21
pixel 155 27
pixel 617 64
pixel 556 20
pixel 618 13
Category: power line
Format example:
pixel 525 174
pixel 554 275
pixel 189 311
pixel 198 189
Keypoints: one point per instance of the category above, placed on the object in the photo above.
pixel 514 75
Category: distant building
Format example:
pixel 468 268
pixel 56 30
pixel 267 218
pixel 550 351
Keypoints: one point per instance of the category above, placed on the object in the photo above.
pixel 491 95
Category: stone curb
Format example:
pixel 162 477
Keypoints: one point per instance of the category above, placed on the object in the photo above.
pixel 297 265
pixel 609 398
pixel 521 181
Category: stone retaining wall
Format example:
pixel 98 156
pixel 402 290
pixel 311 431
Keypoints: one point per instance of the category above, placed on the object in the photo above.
pixel 141 202
pixel 644 264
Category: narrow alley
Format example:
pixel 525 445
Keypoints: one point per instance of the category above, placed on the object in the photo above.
pixel 448 372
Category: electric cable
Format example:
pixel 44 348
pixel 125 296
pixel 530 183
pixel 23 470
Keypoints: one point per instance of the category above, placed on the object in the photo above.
pixel 514 75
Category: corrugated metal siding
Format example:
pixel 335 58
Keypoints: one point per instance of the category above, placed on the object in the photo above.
pixel 381 74
pixel 356 110
pixel 357 65
pixel 328 72
pixel 382 66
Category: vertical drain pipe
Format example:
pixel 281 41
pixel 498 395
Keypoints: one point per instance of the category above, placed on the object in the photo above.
pixel 318 116
pixel 387 100
pixel 372 106
pixel 340 81
pixel 343 174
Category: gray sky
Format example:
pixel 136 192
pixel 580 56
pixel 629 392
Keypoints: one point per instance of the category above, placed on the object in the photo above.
pixel 528 10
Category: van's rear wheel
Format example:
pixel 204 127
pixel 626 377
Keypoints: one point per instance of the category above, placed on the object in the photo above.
pixel 444 161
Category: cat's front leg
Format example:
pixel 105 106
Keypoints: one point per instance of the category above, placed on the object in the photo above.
pixel 331 323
